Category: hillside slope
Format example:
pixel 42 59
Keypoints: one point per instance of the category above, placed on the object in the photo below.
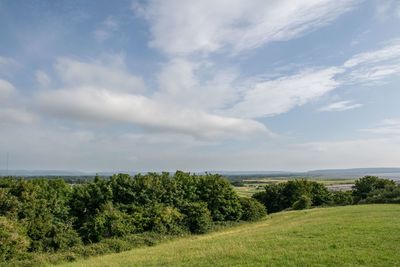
pixel 364 235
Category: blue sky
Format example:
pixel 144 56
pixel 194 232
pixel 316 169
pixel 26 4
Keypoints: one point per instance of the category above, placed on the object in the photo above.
pixel 199 85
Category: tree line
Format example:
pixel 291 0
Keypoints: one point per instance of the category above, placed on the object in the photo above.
pixel 47 215
pixel 302 194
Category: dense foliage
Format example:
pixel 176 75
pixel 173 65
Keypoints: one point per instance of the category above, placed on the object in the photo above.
pixel 302 194
pixel 364 186
pixel 12 239
pixel 277 197
pixel 372 189
pixel 45 215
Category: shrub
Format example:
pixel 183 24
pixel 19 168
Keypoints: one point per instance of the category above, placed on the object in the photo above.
pixel 277 197
pixel 253 210
pixel 164 219
pixel 320 195
pixel 272 197
pixel 13 239
pixel 342 198
pixel 197 217
pixel 109 222
pixel 304 202
pixel 390 194
pixel 367 184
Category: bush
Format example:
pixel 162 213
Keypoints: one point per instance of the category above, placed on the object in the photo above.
pixel 390 194
pixel 367 184
pixel 272 197
pixel 109 222
pixel 13 239
pixel 277 197
pixel 197 217
pixel 304 202
pixel 342 198
pixel 253 210
pixel 164 219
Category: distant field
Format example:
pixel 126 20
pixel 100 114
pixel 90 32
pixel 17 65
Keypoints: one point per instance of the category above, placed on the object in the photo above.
pixel 251 186
pixel 363 235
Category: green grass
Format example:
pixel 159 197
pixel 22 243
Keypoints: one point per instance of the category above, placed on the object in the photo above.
pixel 363 235
pixel 247 191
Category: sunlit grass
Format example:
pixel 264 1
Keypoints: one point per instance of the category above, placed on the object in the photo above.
pixel 364 235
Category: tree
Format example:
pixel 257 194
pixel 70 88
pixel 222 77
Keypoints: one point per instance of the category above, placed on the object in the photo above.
pixel 222 201
pixel 367 184
pixel 272 197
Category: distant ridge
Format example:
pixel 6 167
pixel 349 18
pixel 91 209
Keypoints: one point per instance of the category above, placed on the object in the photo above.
pixel 393 173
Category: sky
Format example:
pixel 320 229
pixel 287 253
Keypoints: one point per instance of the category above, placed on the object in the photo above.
pixel 199 85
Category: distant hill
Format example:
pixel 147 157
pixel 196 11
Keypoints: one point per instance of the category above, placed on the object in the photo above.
pixel 393 173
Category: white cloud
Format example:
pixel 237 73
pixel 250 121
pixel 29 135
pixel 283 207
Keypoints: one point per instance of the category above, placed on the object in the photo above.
pixel 273 97
pixel 388 52
pixel 386 127
pixel 182 27
pixel 341 106
pixel 113 77
pixel 182 104
pixel 12 110
pixel 372 74
pixel 106 29
pixel 42 78
pixel 374 66
pixel 102 105
pixel 6 90
pixel 182 82
pixel 7 65
pixel 12 115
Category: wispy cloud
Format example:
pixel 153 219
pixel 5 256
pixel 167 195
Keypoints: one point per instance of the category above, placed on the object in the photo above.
pixel 374 66
pixel 389 52
pixel 6 90
pixel 273 97
pixel 7 65
pixel 237 25
pixel 387 9
pixel 106 30
pixel 341 106
pixel 42 78
pixel 386 127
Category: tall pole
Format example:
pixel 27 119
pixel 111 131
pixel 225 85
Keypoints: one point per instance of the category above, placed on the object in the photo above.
pixel 8 155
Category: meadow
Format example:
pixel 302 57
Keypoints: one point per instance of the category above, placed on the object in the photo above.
pixel 360 235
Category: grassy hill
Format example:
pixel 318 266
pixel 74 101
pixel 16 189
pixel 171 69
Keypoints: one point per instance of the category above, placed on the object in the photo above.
pixel 363 235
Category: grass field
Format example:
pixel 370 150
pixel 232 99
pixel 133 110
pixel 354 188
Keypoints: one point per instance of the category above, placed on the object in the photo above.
pixel 363 235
